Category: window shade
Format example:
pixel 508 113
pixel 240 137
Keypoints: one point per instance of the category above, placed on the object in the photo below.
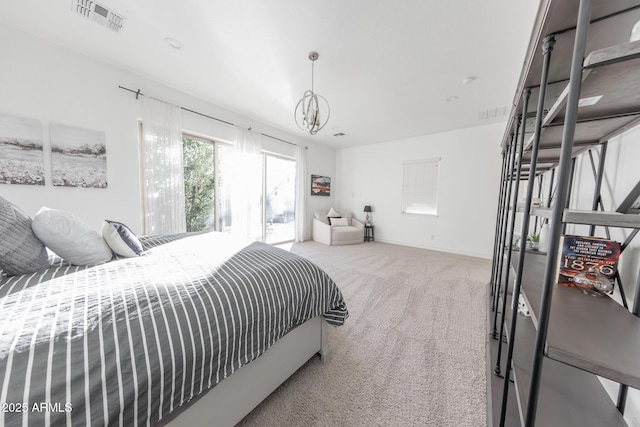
pixel 420 187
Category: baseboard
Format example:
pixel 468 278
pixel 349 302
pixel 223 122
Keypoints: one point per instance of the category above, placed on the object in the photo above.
pixel 435 248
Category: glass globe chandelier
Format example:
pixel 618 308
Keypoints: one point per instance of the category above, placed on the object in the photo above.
pixel 307 112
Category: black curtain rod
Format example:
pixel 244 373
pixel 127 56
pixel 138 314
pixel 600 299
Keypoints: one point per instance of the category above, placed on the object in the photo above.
pixel 139 93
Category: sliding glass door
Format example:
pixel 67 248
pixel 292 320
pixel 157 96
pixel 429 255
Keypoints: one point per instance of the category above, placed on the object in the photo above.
pixel 279 192
pixel 208 193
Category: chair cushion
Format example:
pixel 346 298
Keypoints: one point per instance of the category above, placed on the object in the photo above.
pixel 347 214
pixel 339 222
pixel 321 216
pixel 347 234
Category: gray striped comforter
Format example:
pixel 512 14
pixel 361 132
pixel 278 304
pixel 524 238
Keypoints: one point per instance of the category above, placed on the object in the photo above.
pixel 131 341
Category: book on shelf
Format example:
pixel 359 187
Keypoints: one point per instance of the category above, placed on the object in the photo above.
pixel 579 253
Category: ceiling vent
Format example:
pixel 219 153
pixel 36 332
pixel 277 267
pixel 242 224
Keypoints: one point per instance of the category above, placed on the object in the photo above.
pixel 493 113
pixel 98 13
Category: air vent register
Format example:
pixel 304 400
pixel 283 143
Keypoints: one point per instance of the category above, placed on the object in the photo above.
pixel 99 14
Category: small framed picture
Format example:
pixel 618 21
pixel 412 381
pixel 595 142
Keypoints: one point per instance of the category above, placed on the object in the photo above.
pixel 320 185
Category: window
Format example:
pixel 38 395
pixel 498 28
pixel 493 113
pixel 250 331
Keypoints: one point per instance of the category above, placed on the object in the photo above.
pixel 420 187
pixel 199 182
pixel 206 196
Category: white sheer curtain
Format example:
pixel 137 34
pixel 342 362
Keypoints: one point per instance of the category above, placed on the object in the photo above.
pixel 163 178
pixel 301 175
pixel 246 185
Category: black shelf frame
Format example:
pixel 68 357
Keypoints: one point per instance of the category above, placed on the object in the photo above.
pixel 579 133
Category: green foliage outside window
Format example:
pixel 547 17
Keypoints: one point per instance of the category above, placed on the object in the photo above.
pixel 199 180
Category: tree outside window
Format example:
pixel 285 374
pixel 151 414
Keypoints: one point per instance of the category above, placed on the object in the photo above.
pixel 199 184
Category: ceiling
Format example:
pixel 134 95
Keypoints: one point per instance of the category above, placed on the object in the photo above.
pixel 387 68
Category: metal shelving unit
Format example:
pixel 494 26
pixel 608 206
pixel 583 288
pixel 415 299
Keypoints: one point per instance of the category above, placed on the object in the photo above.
pixel 565 387
pixel 583 331
pixel 570 339
pixel 599 218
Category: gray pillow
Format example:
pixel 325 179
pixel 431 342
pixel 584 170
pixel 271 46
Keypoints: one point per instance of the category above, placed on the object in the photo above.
pixel 21 252
pixel 70 237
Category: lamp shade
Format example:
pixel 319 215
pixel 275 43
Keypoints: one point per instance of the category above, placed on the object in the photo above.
pixel 367 208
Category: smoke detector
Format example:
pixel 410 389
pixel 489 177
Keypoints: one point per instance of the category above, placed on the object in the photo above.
pixel 98 13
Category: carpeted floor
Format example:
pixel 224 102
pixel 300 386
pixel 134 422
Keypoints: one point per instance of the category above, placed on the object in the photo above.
pixel 412 352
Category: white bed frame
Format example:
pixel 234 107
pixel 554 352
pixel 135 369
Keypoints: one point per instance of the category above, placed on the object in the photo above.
pixel 237 395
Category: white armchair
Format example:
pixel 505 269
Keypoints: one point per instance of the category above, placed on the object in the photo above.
pixel 333 235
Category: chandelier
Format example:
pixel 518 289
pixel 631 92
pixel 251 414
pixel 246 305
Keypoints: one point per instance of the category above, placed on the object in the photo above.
pixel 307 112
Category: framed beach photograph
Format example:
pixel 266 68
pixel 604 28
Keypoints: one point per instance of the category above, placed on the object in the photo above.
pixel 78 157
pixel 21 153
pixel 320 185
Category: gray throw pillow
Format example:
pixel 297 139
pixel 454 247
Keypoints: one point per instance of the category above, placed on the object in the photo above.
pixel 21 252
pixel 70 237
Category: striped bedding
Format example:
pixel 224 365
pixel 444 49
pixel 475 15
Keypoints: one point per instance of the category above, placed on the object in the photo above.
pixel 132 341
pixel 60 267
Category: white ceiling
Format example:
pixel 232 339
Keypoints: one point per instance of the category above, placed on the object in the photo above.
pixel 386 67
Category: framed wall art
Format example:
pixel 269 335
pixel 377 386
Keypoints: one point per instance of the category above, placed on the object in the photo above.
pixel 320 185
pixel 21 153
pixel 78 157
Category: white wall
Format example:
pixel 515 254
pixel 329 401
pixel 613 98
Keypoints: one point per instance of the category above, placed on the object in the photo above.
pixel 468 190
pixel 44 81
pixel 324 164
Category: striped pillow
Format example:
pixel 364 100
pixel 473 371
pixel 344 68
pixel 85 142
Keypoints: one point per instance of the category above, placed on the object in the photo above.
pixel 121 239
pixel 21 252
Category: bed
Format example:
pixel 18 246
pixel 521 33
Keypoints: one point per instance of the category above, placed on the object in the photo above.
pixel 197 330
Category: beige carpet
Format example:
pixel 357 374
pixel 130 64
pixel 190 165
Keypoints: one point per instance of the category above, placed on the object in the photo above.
pixel 412 352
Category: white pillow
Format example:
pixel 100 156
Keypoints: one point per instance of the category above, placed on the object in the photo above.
pixel 333 213
pixel 70 237
pixel 339 222
pixel 121 239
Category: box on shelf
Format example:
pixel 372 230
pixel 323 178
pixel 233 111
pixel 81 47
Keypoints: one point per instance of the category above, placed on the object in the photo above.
pixel 536 202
